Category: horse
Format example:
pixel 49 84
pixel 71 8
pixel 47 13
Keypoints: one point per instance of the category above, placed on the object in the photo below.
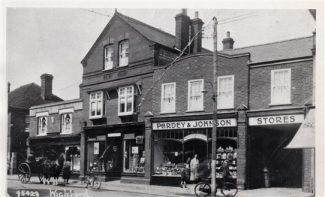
pixel 53 169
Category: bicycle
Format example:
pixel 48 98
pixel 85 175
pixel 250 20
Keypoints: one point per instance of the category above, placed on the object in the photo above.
pixel 92 179
pixel 203 188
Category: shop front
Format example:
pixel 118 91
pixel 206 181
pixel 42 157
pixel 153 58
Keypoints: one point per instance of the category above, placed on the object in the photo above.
pixel 116 151
pixel 270 163
pixel 175 143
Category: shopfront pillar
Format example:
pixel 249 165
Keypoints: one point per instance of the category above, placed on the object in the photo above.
pixel 82 155
pixel 148 144
pixel 242 147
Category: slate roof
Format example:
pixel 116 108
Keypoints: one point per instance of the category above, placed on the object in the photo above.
pixel 28 95
pixel 287 49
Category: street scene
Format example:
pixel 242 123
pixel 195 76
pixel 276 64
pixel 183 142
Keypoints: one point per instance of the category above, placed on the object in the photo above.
pixel 140 102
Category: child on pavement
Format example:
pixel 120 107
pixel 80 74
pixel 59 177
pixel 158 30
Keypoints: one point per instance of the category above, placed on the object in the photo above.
pixel 185 176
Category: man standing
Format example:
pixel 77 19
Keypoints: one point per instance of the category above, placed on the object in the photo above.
pixel 194 165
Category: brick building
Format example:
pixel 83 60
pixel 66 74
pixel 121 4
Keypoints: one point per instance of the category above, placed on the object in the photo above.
pixel 54 129
pixel 19 102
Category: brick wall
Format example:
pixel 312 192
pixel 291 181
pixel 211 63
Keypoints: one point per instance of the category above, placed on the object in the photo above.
pixel 118 30
pixel 200 67
pixel 260 84
pixel 54 118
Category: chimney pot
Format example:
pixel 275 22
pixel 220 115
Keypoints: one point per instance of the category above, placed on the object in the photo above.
pixel 184 11
pixel 196 14
pixel 228 34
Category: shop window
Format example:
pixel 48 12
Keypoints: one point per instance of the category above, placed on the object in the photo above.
pixel 195 95
pixel 280 86
pixel 95 151
pixel 96 104
pixel 134 156
pixel 66 123
pixel 72 155
pixel 124 53
pixel 168 97
pixel 126 101
pixel 42 125
pixel 225 92
pixel 108 57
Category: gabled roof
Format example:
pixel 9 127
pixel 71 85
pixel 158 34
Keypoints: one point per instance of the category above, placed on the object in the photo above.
pixel 287 49
pixel 28 95
pixel 149 32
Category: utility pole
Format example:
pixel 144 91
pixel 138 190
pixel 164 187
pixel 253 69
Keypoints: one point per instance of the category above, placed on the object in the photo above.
pixel 215 117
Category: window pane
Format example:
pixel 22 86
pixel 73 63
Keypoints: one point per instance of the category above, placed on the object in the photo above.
pixel 93 108
pixel 129 103
pixel 99 108
pixel 281 87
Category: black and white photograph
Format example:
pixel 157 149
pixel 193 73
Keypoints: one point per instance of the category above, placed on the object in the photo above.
pixel 184 101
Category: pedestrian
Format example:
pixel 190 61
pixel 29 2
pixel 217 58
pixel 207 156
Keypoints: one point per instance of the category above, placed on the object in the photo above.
pixel 225 170
pixel 194 165
pixel 66 172
pixel 185 176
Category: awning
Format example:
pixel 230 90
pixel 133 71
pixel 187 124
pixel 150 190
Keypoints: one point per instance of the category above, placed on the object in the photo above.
pixel 305 136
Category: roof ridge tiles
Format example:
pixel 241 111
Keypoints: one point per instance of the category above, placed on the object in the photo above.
pixel 269 43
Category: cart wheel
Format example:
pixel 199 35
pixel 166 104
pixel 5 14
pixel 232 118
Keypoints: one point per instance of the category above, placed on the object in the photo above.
pixel 202 189
pixel 24 172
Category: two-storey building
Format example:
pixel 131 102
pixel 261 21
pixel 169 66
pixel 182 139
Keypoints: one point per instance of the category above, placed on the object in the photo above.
pixel 263 92
pixel 54 129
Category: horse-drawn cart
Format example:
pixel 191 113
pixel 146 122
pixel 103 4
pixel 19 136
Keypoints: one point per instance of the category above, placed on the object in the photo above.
pixel 31 167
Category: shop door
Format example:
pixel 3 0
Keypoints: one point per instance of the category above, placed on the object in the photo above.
pixel 270 162
pixel 114 157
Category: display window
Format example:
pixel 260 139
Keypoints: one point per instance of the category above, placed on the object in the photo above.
pixel 173 149
pixel 134 155
pixel 95 150
pixel 72 154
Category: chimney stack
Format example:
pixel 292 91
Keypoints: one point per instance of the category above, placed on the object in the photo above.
pixel 46 86
pixel 228 42
pixel 183 23
pixel 196 26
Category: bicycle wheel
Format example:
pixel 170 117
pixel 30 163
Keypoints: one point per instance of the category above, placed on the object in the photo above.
pixel 96 183
pixel 202 189
pixel 229 189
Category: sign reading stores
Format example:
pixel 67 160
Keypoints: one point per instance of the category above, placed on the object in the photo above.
pixel 273 120
pixel 193 124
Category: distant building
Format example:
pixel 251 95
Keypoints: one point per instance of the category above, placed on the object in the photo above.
pixel 19 102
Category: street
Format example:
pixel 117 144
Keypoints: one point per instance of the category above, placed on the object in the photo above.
pixel 17 189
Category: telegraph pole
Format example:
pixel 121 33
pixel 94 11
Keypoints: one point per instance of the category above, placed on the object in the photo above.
pixel 215 117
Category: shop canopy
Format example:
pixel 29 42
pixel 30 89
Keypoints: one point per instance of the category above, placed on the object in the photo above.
pixel 305 137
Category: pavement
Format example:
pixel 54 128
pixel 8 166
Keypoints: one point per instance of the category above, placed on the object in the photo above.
pixel 156 190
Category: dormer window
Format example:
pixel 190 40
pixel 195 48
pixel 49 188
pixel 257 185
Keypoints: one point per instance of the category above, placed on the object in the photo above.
pixel 124 53
pixel 108 57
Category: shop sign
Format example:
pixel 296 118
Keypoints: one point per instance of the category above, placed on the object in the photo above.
pixel 193 124
pixel 196 136
pixel 96 148
pixel 135 149
pixel 101 138
pixel 275 120
pixel 114 135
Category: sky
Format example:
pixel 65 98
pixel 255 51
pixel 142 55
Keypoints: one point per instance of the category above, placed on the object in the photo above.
pixel 55 40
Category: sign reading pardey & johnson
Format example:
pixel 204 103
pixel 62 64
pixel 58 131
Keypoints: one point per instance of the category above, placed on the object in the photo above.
pixel 193 124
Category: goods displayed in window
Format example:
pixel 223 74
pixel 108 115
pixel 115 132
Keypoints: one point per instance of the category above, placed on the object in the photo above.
pixel 95 150
pixel 134 156
pixel 229 155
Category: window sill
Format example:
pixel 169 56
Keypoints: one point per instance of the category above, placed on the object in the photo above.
pixel 41 135
pixel 165 113
pixel 193 111
pixel 279 104
pixel 95 117
pixel 127 114
pixel 65 133
pixel 225 108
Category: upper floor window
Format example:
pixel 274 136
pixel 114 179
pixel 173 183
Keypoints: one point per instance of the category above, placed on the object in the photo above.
pixel 225 92
pixel 280 86
pixel 125 100
pixel 168 97
pixel 66 123
pixel 96 104
pixel 42 125
pixel 108 57
pixel 195 95
pixel 124 53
